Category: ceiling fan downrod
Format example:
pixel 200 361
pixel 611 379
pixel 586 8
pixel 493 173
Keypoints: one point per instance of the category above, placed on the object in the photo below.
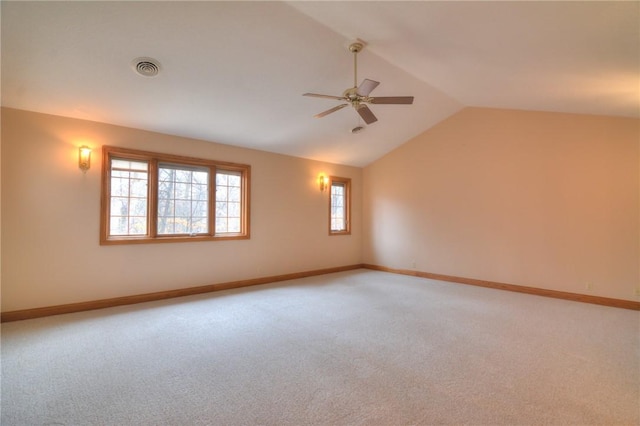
pixel 355 48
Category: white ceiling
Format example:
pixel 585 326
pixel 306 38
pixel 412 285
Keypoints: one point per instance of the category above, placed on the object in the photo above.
pixel 234 72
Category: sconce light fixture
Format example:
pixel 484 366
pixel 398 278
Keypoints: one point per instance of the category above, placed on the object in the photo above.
pixel 84 158
pixel 323 182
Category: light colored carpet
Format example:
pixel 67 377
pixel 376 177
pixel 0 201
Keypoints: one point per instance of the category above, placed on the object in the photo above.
pixel 353 348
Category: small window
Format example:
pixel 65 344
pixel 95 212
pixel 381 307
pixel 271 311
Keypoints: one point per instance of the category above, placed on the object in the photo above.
pixel 228 201
pixel 340 206
pixel 150 197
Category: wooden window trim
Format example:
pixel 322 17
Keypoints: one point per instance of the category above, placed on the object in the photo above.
pixel 347 186
pixel 153 159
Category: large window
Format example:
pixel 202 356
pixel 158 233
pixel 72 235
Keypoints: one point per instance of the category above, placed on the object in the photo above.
pixel 340 206
pixel 150 197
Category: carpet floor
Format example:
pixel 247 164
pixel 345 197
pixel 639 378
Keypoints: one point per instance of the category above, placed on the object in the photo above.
pixel 353 348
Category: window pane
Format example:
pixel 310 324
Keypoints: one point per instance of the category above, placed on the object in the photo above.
pixel 183 176
pixel 182 191
pixel 129 166
pixel 138 188
pixel 200 225
pixel 128 199
pixel 221 225
pixel 119 206
pixel 200 209
pixel 221 193
pixel 165 207
pixel 200 192
pixel 221 209
pixel 234 194
pixel 182 225
pixel 119 226
pixel 119 186
pixel 234 225
pixel 228 201
pixel 167 225
pixel 234 209
pixel 201 177
pixel 183 208
pixel 222 179
pixel 138 207
pixel 183 199
pixel 137 225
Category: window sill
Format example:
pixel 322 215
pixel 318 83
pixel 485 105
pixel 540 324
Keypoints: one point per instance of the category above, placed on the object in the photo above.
pixel 171 239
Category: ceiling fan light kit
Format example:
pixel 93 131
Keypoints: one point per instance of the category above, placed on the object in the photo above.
pixel 358 96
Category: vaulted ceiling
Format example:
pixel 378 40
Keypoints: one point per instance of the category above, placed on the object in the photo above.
pixel 235 72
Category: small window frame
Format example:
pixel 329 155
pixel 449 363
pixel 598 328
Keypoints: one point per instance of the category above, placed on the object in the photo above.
pixel 154 160
pixel 346 183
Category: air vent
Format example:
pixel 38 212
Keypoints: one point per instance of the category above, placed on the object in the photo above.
pixel 146 67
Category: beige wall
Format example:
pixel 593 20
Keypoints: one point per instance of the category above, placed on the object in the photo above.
pixel 537 199
pixel 50 218
pixel 528 198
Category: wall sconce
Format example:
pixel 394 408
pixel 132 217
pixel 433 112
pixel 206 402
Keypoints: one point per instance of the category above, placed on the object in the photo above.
pixel 323 182
pixel 84 158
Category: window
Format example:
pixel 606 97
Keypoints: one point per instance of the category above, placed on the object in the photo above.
pixel 150 197
pixel 340 206
pixel 129 197
pixel 228 201
pixel 183 200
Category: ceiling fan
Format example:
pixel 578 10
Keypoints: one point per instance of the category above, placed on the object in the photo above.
pixel 358 96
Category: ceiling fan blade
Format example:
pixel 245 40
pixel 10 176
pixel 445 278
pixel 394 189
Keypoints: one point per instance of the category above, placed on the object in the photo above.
pixel 392 100
pixel 366 114
pixel 316 95
pixel 329 111
pixel 367 87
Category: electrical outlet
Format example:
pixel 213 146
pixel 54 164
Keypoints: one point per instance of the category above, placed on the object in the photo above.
pixel 637 291
pixel 413 264
pixel 588 285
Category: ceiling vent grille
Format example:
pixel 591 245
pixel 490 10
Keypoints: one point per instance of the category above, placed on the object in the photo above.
pixel 146 67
